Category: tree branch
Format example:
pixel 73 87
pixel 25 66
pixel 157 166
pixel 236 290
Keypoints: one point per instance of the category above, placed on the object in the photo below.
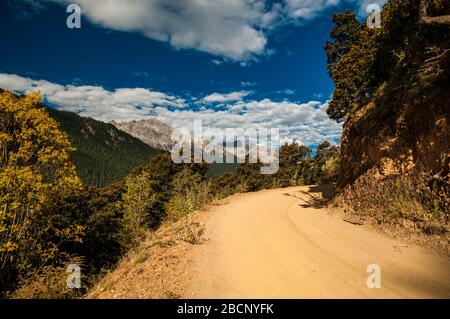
pixel 441 20
pixel 427 20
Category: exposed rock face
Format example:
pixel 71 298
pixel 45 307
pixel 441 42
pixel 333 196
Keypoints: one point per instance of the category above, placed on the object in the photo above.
pixel 151 131
pixel 415 137
pixel 395 163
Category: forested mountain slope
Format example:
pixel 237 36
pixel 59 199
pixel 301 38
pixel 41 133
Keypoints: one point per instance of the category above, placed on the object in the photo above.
pixel 104 154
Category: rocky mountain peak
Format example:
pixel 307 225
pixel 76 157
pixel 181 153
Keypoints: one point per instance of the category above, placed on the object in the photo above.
pixel 150 131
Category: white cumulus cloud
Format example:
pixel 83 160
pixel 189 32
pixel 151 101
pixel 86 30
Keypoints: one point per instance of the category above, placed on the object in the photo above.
pixel 306 122
pixel 94 101
pixel 228 97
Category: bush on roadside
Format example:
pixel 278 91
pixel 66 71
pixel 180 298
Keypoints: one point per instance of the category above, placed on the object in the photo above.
pixel 49 282
pixel 190 192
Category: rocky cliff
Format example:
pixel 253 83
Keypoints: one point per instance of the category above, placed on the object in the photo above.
pixel 395 163
pixel 151 131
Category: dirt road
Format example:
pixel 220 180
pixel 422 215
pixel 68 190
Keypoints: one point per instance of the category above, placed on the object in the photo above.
pixel 284 244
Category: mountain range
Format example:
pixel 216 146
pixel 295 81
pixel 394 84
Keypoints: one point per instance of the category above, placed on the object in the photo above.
pixel 107 152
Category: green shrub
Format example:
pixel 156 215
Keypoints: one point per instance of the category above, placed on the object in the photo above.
pixel 190 193
pixel 138 202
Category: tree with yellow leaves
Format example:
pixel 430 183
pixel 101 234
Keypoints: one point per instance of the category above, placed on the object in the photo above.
pixel 35 175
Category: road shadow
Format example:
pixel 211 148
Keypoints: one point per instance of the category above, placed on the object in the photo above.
pixel 316 196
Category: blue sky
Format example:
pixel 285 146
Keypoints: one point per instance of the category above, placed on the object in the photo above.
pixel 229 63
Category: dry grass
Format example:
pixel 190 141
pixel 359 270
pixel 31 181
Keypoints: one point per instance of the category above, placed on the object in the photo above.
pixel 395 206
pixel 160 266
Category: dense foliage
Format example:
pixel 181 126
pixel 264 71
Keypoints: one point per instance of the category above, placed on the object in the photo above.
pixel 35 176
pixel 409 53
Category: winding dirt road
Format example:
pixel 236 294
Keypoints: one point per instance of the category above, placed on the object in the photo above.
pixel 284 244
